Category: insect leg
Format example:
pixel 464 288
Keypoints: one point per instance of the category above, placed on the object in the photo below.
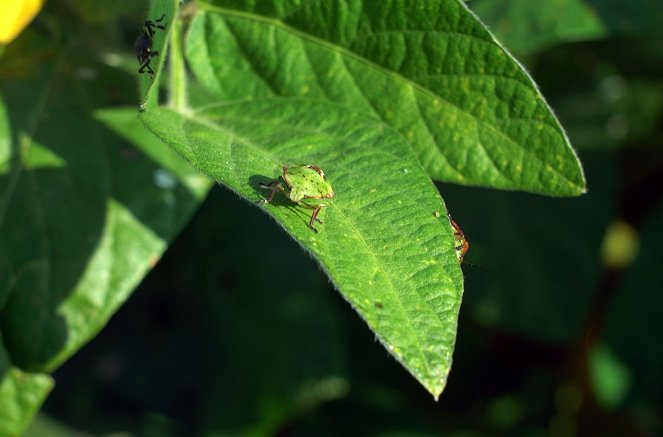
pixel 151 25
pixel 314 216
pixel 274 186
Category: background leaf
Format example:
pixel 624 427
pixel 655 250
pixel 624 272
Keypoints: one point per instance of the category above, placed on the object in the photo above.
pixel 84 217
pixel 526 26
pixel 21 395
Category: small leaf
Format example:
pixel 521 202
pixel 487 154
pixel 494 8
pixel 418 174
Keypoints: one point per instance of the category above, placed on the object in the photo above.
pixel 380 242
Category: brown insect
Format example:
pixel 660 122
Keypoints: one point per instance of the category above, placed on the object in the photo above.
pixel 462 245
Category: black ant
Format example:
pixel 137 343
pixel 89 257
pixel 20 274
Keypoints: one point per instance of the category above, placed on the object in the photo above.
pixel 143 45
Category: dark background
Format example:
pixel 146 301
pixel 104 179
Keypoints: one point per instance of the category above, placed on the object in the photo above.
pixel 559 332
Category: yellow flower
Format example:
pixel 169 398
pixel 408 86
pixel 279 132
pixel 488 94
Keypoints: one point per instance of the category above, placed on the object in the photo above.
pixel 15 15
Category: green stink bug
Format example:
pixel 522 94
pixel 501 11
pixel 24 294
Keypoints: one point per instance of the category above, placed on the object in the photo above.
pixel 305 185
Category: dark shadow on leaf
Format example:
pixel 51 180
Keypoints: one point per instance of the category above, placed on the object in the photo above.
pixel 279 199
pixel 256 181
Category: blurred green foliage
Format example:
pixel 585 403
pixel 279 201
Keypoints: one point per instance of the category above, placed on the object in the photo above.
pixel 526 26
pixel 236 335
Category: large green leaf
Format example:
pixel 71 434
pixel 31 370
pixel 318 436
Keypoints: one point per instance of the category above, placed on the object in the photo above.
pixel 428 69
pixel 381 243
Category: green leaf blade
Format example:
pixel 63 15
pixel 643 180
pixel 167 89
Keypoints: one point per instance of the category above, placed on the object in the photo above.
pixel 380 243
pixel 467 108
